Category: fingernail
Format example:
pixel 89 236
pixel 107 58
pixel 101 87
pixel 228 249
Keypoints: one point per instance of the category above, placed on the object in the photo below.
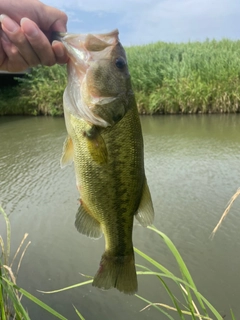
pixel 8 23
pixel 29 27
pixel 59 50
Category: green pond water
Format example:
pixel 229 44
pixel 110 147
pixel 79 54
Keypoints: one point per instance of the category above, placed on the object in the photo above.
pixel 193 168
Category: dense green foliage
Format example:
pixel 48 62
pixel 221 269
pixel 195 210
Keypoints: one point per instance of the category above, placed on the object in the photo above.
pixel 38 93
pixel 189 77
pixel 167 78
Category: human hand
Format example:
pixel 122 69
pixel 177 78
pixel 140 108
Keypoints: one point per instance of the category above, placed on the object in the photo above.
pixel 24 42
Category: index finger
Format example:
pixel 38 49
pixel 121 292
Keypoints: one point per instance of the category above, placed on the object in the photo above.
pixel 38 41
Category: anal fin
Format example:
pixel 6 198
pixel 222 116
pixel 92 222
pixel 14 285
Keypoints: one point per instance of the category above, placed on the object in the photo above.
pixel 145 212
pixel 86 224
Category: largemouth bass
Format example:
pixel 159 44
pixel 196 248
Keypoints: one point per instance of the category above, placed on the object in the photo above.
pixel 105 142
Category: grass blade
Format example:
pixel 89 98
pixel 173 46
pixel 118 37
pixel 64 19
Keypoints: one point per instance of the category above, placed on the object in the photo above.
pixel 35 300
pixel 172 297
pixel 6 253
pixel 225 213
pixel 176 279
pixel 17 306
pixel 155 306
pixel 78 313
pixel 2 302
pixel 184 270
pixel 232 315
pixel 67 288
pixel 153 262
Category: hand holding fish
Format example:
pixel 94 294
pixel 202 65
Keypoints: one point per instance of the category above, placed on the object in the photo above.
pixel 25 30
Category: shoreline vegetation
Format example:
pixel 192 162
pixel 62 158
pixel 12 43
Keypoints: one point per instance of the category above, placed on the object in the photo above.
pixel 167 78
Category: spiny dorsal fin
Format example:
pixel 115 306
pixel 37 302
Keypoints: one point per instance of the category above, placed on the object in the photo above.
pixel 67 155
pixel 145 212
pixel 87 224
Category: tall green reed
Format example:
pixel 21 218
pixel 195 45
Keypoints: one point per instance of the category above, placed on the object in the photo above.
pixel 194 77
pixel 186 77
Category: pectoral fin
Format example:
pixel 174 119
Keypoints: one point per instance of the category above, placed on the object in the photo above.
pixel 86 224
pixel 96 145
pixel 67 155
pixel 145 212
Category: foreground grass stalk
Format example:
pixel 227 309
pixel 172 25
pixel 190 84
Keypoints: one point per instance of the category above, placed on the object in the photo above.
pixel 2 302
pixel 10 293
pixel 225 213
pixel 232 315
pixel 185 284
pixel 200 317
pixel 183 268
pixel 6 252
pixel 155 306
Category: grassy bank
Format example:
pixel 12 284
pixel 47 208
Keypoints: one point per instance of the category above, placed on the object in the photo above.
pixel 190 77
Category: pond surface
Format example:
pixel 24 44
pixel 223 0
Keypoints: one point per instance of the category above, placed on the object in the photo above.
pixel 193 168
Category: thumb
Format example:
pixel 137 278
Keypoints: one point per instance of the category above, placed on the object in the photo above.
pixel 56 20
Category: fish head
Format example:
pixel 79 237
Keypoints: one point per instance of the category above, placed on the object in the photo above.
pixel 98 77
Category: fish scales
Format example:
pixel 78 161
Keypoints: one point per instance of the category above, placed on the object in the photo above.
pixel 122 175
pixel 105 142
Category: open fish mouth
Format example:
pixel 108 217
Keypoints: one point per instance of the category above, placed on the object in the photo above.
pixel 86 48
pixel 81 97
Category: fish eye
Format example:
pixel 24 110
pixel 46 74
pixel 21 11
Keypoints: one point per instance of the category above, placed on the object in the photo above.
pixel 120 63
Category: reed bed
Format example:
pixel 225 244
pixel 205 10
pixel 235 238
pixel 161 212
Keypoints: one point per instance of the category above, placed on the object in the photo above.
pixel 194 77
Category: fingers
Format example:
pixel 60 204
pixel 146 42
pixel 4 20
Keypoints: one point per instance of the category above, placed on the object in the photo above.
pixel 39 44
pixel 48 55
pixel 19 40
pixel 60 52
pixel 59 19
pixel 26 45
pixel 11 59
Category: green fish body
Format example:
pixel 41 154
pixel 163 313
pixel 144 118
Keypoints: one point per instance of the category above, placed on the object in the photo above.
pixel 105 142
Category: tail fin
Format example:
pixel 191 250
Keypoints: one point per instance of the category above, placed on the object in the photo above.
pixel 117 272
